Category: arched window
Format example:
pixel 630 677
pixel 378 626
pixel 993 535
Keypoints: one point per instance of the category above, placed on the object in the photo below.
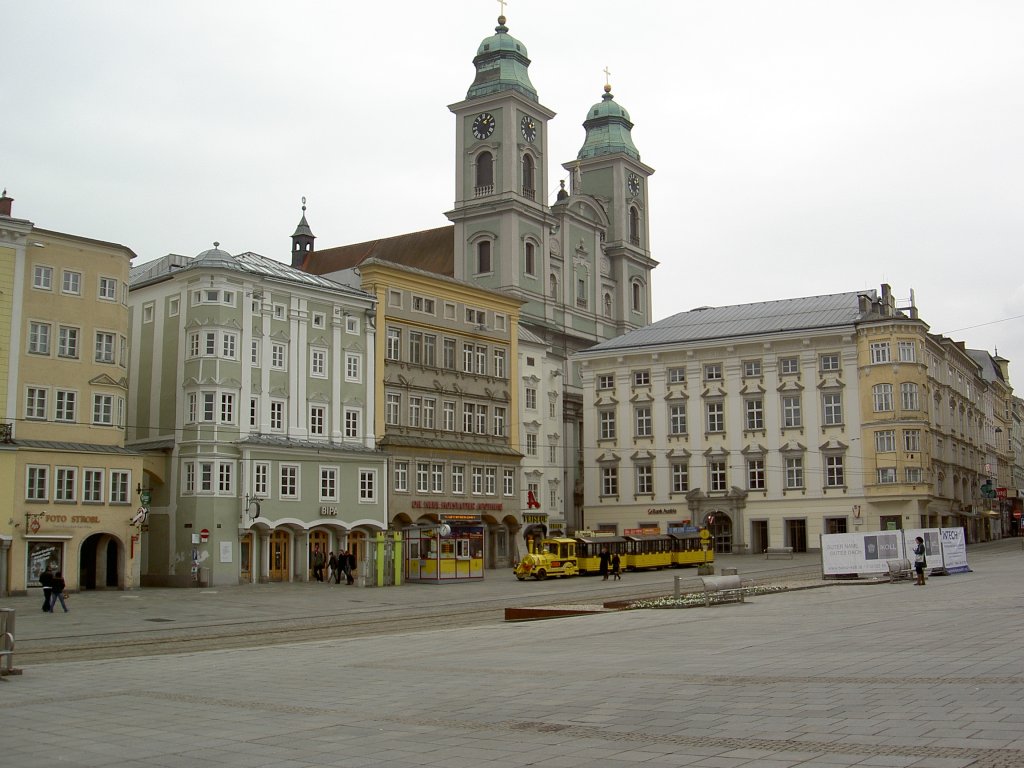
pixel 528 189
pixel 530 259
pixel 483 257
pixel 484 174
pixel 634 225
pixel 636 298
pixel 607 305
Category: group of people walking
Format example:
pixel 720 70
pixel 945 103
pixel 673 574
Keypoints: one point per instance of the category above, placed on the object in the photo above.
pixel 53 590
pixel 338 565
pixel 609 562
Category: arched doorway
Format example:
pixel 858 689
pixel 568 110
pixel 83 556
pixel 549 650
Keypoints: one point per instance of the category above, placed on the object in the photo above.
pixel 278 566
pixel 318 540
pixel 720 525
pixel 100 562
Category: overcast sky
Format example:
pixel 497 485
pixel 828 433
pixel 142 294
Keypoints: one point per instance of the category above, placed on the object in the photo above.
pixel 801 147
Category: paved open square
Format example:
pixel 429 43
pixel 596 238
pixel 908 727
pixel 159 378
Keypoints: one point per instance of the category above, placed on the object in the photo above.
pixel 846 675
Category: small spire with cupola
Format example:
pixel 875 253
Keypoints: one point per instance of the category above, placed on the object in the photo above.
pixel 302 240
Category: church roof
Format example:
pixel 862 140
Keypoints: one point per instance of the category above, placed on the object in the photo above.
pixel 501 65
pixel 714 323
pixel 608 130
pixel 432 250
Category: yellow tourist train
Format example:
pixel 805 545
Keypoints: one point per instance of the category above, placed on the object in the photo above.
pixel 582 554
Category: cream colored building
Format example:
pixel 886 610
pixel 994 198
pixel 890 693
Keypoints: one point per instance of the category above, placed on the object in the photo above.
pixel 71 498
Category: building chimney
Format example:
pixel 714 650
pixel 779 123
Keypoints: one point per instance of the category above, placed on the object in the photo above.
pixel 5 204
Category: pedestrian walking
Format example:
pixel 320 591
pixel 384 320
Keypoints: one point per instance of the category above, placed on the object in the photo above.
pixel 333 572
pixel 920 561
pixel 57 588
pixel 616 562
pixel 318 563
pixel 349 565
pixel 46 581
pixel 604 558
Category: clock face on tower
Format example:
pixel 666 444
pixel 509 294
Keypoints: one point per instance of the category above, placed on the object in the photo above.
pixel 633 184
pixel 483 125
pixel 529 128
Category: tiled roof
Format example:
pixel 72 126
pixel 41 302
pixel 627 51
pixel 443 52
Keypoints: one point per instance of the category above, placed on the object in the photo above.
pixel 59 445
pixel 432 250
pixel 711 323
pixel 405 441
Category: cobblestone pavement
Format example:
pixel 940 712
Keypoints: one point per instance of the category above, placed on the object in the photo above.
pixel 865 675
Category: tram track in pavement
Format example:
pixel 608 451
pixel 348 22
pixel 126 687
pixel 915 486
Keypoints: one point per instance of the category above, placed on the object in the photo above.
pixel 364 620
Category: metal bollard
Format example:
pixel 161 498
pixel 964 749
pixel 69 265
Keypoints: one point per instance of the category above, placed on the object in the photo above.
pixel 7 616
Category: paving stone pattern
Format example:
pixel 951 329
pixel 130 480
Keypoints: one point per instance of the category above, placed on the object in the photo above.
pixel 879 675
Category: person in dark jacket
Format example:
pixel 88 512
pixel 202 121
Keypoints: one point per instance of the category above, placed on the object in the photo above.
pixel 46 581
pixel 57 592
pixel 604 559
pixel 920 561
pixel 333 569
pixel 348 565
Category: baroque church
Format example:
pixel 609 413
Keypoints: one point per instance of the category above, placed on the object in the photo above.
pixel 579 260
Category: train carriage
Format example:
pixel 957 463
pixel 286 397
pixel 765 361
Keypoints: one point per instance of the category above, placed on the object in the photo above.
pixel 588 551
pixel 648 551
pixel 687 549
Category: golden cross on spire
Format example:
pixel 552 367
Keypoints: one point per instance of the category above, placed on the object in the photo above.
pixel 607 75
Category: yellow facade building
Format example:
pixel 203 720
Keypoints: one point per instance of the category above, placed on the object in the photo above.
pixel 69 492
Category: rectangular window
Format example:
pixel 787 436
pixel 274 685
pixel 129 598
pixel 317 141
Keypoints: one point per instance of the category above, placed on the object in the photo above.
pixel 393 350
pixel 499 421
pixel 458 479
pixel 606 381
pixel 886 475
pixel 912 440
pixel 210 343
pixel 680 477
pixel 713 372
pixel 885 441
pixel 289 481
pixel 499 364
pixel 835 475
pixel 907 351
pixel 261 479
pixel 430 350
pixel 751 368
pixel 367 486
pixel 206 476
pixel 717 477
pixel 531 444
pixel 39 338
pixel 468 412
pixel 913 475
pixel 677 419
pixel 607 419
pixel 641 378
pixel 42 277
pixel 467 358
pixel 36 483
pixel 67 402
pixel 480 354
pixel 318 363
pixel 792 415
pixel 277 357
pixel 277 415
pixel 908 396
pixel 436 477
pixel 353 367
pixel 328 483
pixel 319 320
pixel 352 325
pixel 392 408
pixel 352 420
pixel 317 420
pixel 481 419
pixel 676 375
pixel 881 396
pixel 879 352
pixel 66 484
pixel 103 410
pixel 422 477
pixel 644 479
pixel 531 398
pixel 448 414
pixel 415 407
pixel 120 481
pixel 448 352
pixel 67 342
pixel 209 398
pixel 508 482
pixel 229 346
pixel 225 477
pixel 108 289
pixel 832 407
pixel 254 411
pixel 755 474
pixel 828 362
pixel 92 486
pixel 227 408
pixel 35 403
pixel 754 411
pixel 644 427
pixel 789 365
pixel 490 481
pixel 477 479
pixel 401 476
pixel 609 481
pixel 415 347
pixel 794 472
pixel 715 416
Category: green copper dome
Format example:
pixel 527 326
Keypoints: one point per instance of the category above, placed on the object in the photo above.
pixel 608 130
pixel 501 65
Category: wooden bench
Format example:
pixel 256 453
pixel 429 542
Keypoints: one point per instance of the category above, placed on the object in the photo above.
pixel 774 553
pixel 898 570
pixel 723 588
